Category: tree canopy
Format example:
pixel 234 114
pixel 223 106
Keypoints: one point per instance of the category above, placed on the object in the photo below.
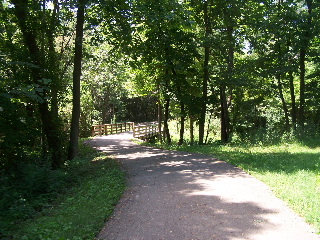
pixel 225 70
pixel 251 65
pixel 221 71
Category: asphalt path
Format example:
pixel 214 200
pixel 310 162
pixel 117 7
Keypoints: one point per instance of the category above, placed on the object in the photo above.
pixel 176 195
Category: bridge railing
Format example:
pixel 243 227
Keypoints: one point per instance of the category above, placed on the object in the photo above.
pixel 108 129
pixel 146 130
pixel 140 130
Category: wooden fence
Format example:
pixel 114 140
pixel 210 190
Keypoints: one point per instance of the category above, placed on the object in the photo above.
pixel 141 130
pixel 146 130
pixel 108 129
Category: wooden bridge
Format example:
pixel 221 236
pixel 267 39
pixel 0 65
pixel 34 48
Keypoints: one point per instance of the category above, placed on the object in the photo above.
pixel 146 130
pixel 142 131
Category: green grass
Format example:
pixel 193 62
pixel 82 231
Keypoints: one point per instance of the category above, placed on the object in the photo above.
pixel 292 170
pixel 82 211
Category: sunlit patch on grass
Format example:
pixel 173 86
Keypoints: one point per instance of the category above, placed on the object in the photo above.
pixel 290 169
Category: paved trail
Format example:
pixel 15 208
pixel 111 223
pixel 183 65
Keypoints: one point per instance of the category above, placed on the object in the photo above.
pixel 182 196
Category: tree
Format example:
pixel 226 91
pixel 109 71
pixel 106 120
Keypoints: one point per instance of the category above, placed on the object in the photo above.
pixel 106 87
pixel 165 47
pixel 74 134
pixel 208 31
pixel 39 73
pixel 304 47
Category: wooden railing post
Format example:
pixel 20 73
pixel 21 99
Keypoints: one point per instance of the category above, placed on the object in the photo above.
pixel 92 131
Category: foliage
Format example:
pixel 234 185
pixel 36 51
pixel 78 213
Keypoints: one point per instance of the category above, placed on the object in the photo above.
pixel 134 48
pixel 245 70
pixel 140 109
pixel 103 92
pixel 56 203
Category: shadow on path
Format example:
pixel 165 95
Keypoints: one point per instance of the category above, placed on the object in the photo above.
pixel 178 195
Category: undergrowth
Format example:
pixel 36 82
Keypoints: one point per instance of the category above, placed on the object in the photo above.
pixel 74 202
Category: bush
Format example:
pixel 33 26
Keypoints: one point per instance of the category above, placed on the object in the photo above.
pixel 31 184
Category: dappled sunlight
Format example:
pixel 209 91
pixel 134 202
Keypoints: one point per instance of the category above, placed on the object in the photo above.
pixel 222 185
pixel 175 163
pixel 240 207
pixel 175 192
pixel 186 171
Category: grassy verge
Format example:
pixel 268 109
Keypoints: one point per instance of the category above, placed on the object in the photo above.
pixel 81 211
pixel 291 170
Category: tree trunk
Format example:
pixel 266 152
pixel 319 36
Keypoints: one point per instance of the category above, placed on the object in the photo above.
pixel 302 87
pixel 182 120
pixel 74 134
pixel 48 125
pixel 208 127
pixel 283 101
pixel 225 121
pixel 205 74
pixel 292 93
pixel 165 124
pixel 303 52
pixel 224 115
pixel 191 130
pixel 293 101
pixel 160 119
pixel 53 61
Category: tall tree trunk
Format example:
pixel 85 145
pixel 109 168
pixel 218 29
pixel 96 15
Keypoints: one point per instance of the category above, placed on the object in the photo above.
pixel 205 80
pixel 159 119
pixel 283 101
pixel 302 87
pixel 224 115
pixel 191 130
pixel 182 120
pixel 292 93
pixel 225 121
pixel 74 134
pixel 208 127
pixel 49 127
pixel 165 122
pixel 303 52
pixel 53 61
pixel 293 101
pixel 281 65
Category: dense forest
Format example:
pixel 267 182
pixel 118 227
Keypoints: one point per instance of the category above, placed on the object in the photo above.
pixel 250 68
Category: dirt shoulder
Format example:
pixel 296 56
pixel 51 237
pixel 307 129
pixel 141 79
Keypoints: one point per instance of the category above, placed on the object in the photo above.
pixel 178 196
